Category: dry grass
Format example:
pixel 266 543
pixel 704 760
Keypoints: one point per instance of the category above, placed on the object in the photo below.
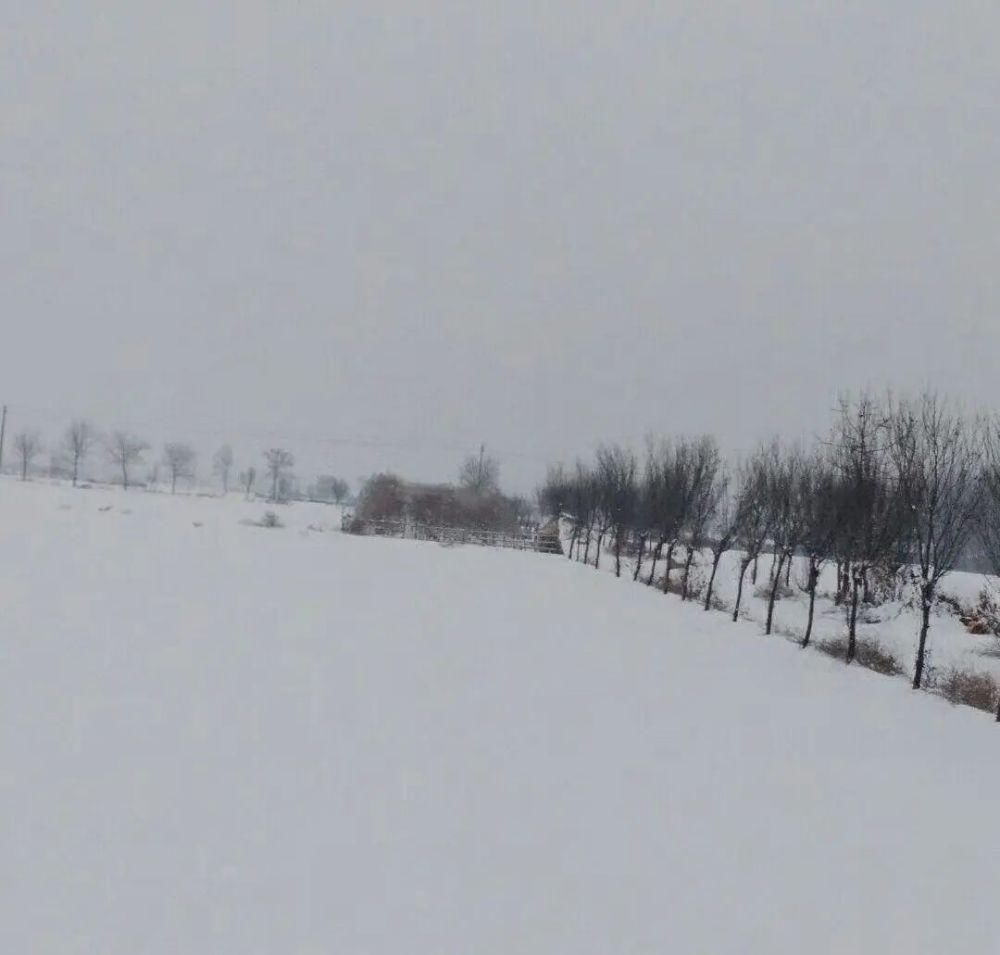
pixel 869 654
pixel 979 690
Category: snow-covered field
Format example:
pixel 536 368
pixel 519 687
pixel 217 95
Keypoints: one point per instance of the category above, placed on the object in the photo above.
pixel 220 738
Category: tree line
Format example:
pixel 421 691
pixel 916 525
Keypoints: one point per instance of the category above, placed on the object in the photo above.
pixel 126 453
pixel 899 492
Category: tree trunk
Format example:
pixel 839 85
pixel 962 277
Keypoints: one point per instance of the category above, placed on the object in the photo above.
pixel 618 552
pixel 124 476
pixel 813 581
pixel 744 564
pixel 76 468
pixel 586 548
pixel 687 572
pixel 775 584
pixel 666 574
pixel 572 541
pixel 716 557
pixel 652 570
pixel 753 576
pixel 926 599
pixel 638 561
pixel 788 572
pixel 852 627
pixel 774 563
pixel 597 556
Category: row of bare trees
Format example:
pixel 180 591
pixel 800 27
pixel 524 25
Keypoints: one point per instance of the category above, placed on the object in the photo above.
pixel 898 493
pixel 125 452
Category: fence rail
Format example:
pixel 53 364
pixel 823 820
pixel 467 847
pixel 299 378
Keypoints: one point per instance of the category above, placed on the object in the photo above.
pixel 443 534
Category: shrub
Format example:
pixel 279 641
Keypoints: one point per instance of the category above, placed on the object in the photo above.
pixel 270 519
pixel 979 690
pixel 867 653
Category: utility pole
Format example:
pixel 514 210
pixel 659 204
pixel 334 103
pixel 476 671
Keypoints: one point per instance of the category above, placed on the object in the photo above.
pixel 3 429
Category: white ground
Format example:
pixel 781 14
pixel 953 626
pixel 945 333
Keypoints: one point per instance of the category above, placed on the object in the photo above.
pixel 229 739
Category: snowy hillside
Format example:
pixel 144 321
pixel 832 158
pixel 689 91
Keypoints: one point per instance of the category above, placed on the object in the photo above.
pixel 222 738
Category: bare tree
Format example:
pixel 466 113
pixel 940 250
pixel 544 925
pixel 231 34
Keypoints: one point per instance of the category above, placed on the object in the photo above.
pixel 27 444
pixel 480 473
pixel 616 479
pixel 125 450
pixel 784 483
pixel 936 456
pixel 724 526
pixel 753 507
pixel 340 490
pixel 872 516
pixel 817 499
pixel 670 468
pixel 278 462
pixel 222 464
pixel 553 495
pixel 581 507
pixel 702 502
pixel 247 479
pixel 178 458
pixel 79 438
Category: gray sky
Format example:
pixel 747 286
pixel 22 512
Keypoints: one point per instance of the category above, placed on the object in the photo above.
pixel 384 232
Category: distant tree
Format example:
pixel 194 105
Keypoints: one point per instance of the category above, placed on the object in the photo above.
pixel 247 479
pixel 125 450
pixel 27 444
pixel 340 490
pixel 553 495
pixel 78 440
pixel 480 473
pixel 331 488
pixel 222 464
pixel 936 455
pixel 178 459
pixel 278 462
pixel 382 498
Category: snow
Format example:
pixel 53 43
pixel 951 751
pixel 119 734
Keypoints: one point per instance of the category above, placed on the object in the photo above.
pixel 230 739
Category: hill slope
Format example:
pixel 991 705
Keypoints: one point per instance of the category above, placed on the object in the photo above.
pixel 230 739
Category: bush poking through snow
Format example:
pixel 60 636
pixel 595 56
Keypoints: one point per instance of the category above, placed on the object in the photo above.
pixel 868 653
pixel 979 690
pixel 270 519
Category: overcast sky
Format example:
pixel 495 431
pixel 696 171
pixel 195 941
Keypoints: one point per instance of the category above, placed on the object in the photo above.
pixel 381 233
